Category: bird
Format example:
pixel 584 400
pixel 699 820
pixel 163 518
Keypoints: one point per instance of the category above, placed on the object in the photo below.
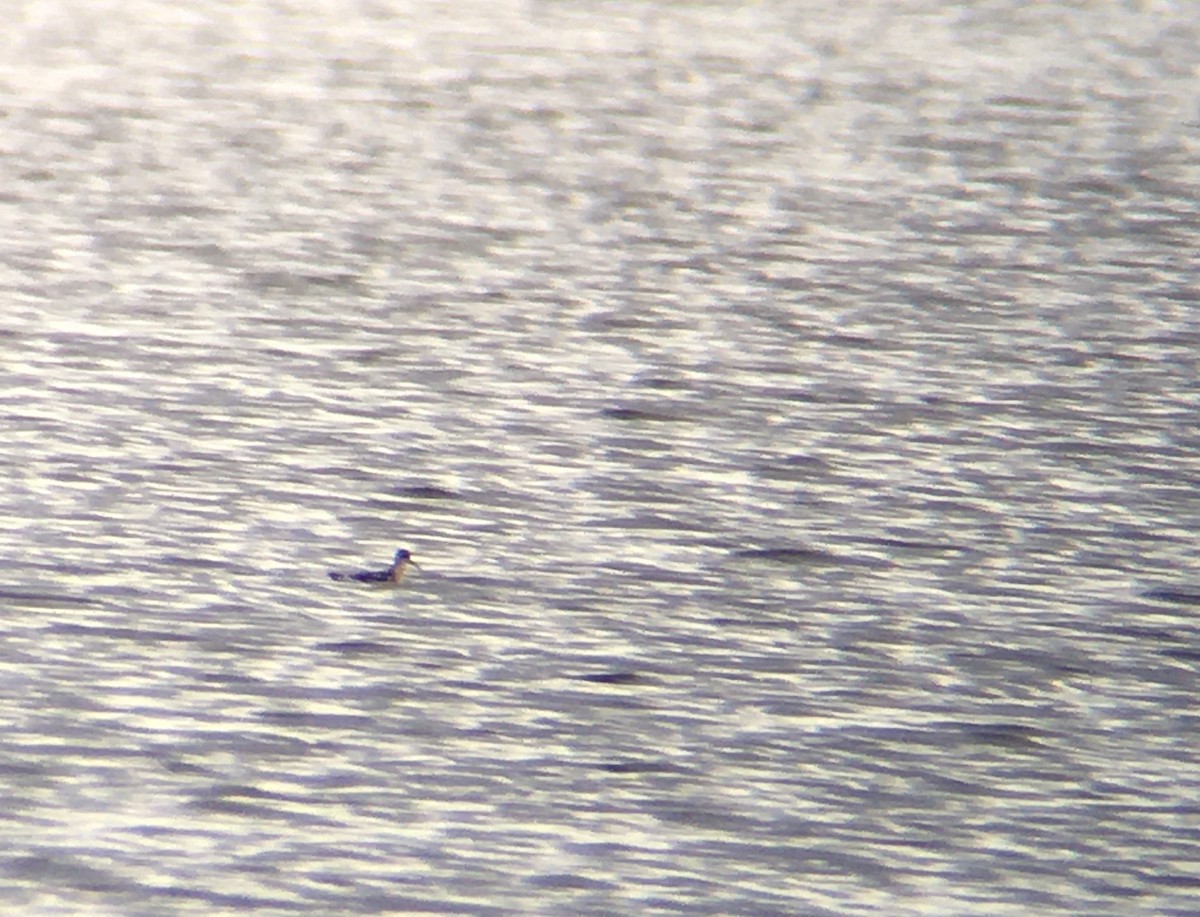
pixel 391 575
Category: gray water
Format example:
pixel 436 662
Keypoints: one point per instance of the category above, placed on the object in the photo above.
pixel 792 407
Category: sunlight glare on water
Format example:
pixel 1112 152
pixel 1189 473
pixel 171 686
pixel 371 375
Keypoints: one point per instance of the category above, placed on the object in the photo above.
pixel 791 410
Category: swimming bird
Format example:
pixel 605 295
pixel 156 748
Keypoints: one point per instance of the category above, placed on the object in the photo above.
pixel 392 574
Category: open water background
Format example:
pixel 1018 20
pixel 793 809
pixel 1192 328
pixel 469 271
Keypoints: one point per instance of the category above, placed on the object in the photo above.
pixel 793 405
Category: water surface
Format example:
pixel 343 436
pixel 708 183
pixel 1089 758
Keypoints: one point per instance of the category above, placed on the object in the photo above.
pixel 792 409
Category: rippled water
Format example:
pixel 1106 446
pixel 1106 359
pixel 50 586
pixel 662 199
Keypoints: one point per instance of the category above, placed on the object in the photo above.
pixel 793 408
